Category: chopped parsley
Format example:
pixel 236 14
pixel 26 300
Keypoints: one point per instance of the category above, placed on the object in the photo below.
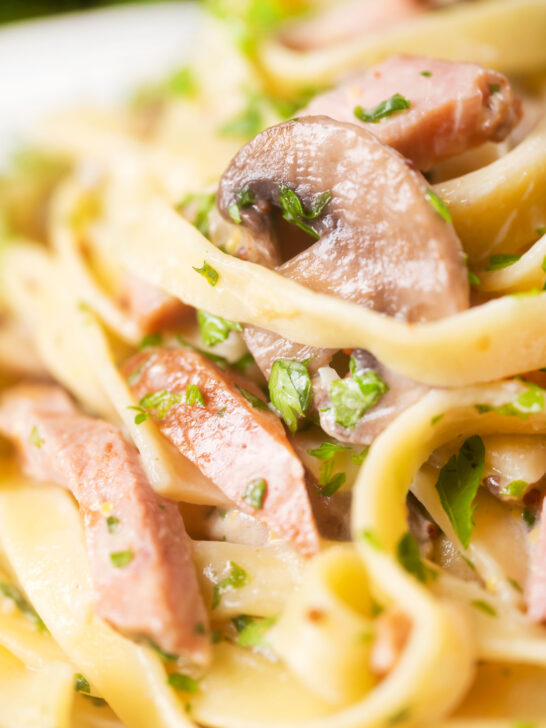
pixel 494 88
pixel 81 684
pixel 386 108
pixel 112 524
pixel 409 557
pixel 167 656
pixel 208 272
pixel 436 418
pixel 255 492
pixel 199 628
pixel 502 260
pixel 353 396
pixel 371 539
pixel 529 402
pixel 221 361
pixel 247 123
pixel 194 396
pixel 427 74
pixel 151 340
pixel 515 489
pixel 484 607
pixel 236 579
pixel 438 204
pixel 290 390
pixel 120 559
pixel 182 83
pixel 243 362
pixel 398 717
pixel 294 213
pixel 541 230
pixel 327 450
pixel 215 329
pixel 543 264
pixel 458 484
pixel 34 437
pixel 184 683
pixel 12 592
pixel 529 517
pixel 251 631
pixel 202 204
pixel 256 402
pixel 473 279
pixel 245 198
pixel 329 483
pixel 515 584
pixel 156 404
pixel 359 458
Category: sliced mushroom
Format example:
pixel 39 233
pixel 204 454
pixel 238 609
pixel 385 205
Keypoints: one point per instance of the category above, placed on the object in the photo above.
pixel 382 243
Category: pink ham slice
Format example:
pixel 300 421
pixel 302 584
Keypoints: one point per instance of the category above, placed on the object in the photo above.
pixel 347 20
pixel 231 441
pixel 454 107
pixel 536 587
pixel 152 309
pixel 152 592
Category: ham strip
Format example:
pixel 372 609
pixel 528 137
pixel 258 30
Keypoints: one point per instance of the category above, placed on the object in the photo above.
pixel 454 106
pixel 139 553
pixel 232 442
pixel 152 309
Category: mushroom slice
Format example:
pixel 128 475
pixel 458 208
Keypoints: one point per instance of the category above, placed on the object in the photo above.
pixel 426 108
pixel 384 239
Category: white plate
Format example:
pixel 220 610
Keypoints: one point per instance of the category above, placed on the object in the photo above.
pixel 96 56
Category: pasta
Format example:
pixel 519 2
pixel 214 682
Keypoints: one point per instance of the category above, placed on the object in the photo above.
pixel 272 390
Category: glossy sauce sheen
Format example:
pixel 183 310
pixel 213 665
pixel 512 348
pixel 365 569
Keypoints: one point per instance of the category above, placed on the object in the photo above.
pixel 229 440
pixel 156 595
pixel 455 108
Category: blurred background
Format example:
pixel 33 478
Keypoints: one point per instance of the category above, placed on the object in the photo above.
pixel 11 10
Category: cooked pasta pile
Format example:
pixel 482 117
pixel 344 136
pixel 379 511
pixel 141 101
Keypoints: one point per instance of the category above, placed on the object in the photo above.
pixel 272 381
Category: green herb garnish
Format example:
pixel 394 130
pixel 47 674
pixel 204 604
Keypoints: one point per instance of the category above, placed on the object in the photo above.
pixel 473 279
pixel 294 213
pixel 243 362
pixel 184 683
pixel 458 484
pixel 359 458
pixel 112 524
pixel 203 205
pixel 502 260
pixel 215 329
pixel 251 631
pixel 427 74
pixel 156 403
pixel 81 684
pixel 151 340
pixel 194 396
pixel 245 198
pixel 328 482
pixel 12 592
pixel 255 492
pixel 515 489
pixel 529 517
pixel 290 390
pixel 494 88
pixel 371 538
pixel 386 108
pixel 221 361
pixel 436 418
pixel 34 437
pixel 121 559
pixel 256 402
pixel 327 450
pixel 438 204
pixel 353 396
pixel 484 607
pixel 236 579
pixel 409 557
pixel 208 272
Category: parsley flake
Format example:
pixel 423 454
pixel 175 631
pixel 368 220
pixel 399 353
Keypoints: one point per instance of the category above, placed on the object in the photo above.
pixel 515 489
pixel 255 492
pixel 184 683
pixel 353 396
pixel 541 230
pixel 529 517
pixel 290 390
pixel 438 204
pixel 256 402
pixel 112 524
pixel 156 404
pixel 236 579
pixel 372 540
pixel 12 592
pixel 329 483
pixel 473 279
pixel 151 340
pixel 327 450
pixel 245 197
pixel 121 559
pixel 252 632
pixel 427 74
pixel 294 213
pixel 208 272
pixel 496 262
pixel 409 557
pixel 215 329
pixel 34 437
pixel 359 458
pixel 458 484
pixel 484 607
pixel 81 684
pixel 386 108
pixel 194 396
pixel 201 206
pixel 494 88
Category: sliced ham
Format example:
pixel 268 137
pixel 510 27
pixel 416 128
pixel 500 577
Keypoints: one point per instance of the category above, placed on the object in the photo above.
pixel 347 20
pixel 455 106
pixel 152 309
pixel 139 553
pixel 232 442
